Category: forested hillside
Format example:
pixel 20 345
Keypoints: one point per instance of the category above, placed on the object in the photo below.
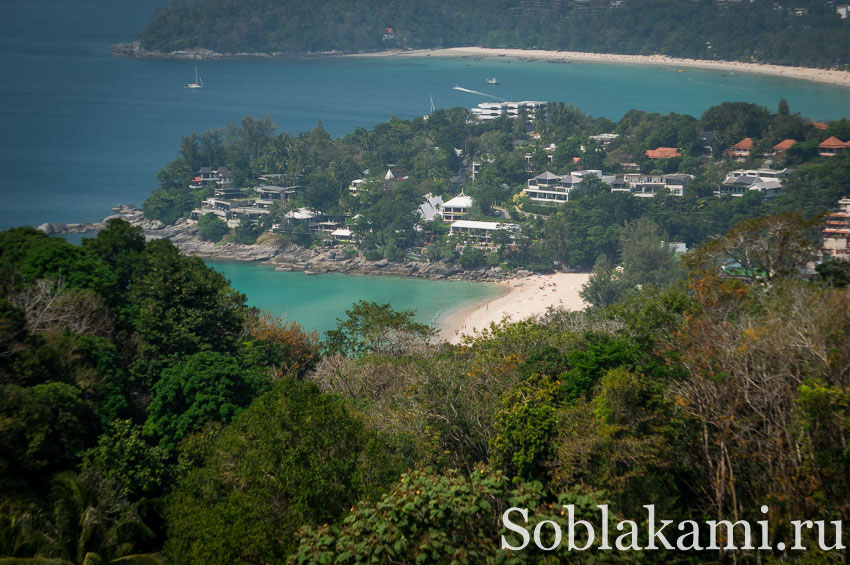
pixel 146 412
pixel 383 216
pixel 806 33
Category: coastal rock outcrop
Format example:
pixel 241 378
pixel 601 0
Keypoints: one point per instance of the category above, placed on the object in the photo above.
pixel 280 256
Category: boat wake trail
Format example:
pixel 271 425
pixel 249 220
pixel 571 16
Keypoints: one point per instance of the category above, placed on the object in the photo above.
pixel 462 89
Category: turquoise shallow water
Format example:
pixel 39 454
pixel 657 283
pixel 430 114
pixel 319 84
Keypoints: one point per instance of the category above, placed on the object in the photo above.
pixel 317 301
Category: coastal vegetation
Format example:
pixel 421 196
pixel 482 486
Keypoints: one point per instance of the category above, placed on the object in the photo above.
pixel 803 33
pixel 346 180
pixel 147 414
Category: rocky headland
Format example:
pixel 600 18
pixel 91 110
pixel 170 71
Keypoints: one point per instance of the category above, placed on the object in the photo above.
pixel 134 49
pixel 282 256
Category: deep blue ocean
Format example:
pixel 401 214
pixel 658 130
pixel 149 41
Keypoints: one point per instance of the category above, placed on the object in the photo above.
pixel 81 131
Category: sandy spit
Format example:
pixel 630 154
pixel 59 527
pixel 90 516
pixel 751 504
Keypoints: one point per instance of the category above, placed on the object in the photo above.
pixel 826 76
pixel 522 299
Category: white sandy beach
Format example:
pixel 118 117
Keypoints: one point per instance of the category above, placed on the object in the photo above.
pixel 826 76
pixel 525 297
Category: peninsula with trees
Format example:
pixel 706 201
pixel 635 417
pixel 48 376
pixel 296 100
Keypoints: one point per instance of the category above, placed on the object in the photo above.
pixel 806 33
pixel 455 195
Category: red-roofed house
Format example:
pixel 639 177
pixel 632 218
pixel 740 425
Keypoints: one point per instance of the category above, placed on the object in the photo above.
pixel 783 146
pixel 742 149
pixel 663 153
pixel 820 125
pixel 831 146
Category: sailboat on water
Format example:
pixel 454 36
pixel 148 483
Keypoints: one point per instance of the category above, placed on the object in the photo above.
pixel 199 82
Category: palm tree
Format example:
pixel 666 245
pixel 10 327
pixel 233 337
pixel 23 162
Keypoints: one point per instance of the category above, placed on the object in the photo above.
pixel 89 522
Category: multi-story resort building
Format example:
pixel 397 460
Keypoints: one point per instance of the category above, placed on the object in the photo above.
pixel 493 110
pixel 648 185
pixel 836 234
pixel 553 190
pixel 481 232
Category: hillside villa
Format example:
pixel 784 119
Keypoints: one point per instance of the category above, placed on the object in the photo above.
pixel 767 181
pixel 742 149
pixel 831 146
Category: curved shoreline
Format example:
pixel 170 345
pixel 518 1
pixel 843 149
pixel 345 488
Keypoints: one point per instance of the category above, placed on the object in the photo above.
pixel 522 298
pixel 823 76
pixel 811 74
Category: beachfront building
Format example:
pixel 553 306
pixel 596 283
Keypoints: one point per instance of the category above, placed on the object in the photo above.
pixel 663 153
pixel 219 208
pixel 836 234
pixel 831 146
pixel 481 232
pixel 647 185
pixel 304 219
pixel 457 208
pixel 251 213
pixel 553 190
pixel 342 234
pixel 494 110
pixel 769 182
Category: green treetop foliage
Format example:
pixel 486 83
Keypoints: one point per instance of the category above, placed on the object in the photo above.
pixel 212 228
pixel 184 307
pixel 757 31
pixel 207 386
pixel 425 515
pixel 294 458
pixel 643 400
pixel 370 328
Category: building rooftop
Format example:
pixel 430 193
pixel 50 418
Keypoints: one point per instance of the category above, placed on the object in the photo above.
pixel 833 142
pixel 744 144
pixel 472 224
pixel 663 153
pixel 784 145
pixel 546 176
pixel 460 201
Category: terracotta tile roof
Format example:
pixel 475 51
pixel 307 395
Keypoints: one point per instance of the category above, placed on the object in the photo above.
pixel 832 142
pixel 784 145
pixel 820 125
pixel 746 143
pixel 663 153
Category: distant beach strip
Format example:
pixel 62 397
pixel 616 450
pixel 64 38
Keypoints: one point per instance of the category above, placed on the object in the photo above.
pixel 824 76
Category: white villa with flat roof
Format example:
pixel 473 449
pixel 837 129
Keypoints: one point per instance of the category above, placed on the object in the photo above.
pixel 479 231
pixel 647 184
pixel 553 190
pixel 494 110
